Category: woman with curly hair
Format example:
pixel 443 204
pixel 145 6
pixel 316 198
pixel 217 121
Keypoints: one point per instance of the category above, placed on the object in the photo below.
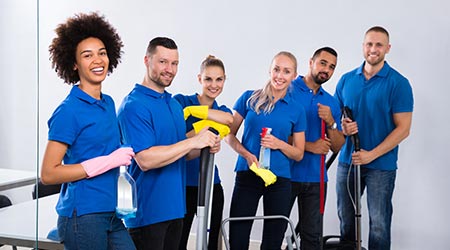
pixel 83 149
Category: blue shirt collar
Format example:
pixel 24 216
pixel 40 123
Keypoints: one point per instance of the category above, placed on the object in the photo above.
pixel 287 97
pixel 152 93
pixel 382 73
pixel 80 94
pixel 301 85
pixel 195 101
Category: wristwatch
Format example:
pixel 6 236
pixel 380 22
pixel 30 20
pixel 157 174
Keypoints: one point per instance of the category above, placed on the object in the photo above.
pixel 333 126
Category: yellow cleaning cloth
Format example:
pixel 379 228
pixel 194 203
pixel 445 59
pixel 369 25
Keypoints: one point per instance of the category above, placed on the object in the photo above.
pixel 265 174
pixel 200 111
pixel 223 130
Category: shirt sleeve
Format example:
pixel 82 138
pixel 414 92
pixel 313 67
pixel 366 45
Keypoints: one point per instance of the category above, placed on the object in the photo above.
pixel 403 100
pixel 63 126
pixel 241 105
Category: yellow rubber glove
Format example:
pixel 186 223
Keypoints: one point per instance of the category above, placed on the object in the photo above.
pixel 200 111
pixel 223 130
pixel 268 177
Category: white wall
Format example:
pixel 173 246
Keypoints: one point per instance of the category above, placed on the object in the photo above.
pixel 246 35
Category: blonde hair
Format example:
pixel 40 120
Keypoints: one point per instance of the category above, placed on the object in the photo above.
pixel 262 99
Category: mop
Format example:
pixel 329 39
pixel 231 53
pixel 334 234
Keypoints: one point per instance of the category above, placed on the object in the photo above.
pixel 357 177
pixel 322 184
pixel 204 198
pixel 345 245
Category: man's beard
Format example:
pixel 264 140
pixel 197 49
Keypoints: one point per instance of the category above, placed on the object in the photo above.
pixel 376 61
pixel 159 82
pixel 320 80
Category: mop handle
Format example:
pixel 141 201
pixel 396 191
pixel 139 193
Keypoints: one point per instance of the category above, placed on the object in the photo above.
pixel 347 112
pixel 322 171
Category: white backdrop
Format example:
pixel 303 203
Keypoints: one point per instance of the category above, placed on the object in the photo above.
pixel 246 35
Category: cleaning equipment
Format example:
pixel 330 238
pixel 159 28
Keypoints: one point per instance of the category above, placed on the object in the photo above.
pixel 199 111
pixel 328 243
pixel 355 140
pixel 268 177
pixel 322 184
pixel 223 130
pixel 126 195
pixel 204 199
pixel 290 246
pixel 264 153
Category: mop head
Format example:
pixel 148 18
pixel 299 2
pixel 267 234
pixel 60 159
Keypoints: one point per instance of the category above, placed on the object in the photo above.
pixel 265 174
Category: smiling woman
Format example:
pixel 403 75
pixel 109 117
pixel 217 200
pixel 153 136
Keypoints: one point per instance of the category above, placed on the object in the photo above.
pixel 83 149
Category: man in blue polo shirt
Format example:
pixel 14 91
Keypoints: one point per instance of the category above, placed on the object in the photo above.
pixel 381 101
pixel 152 122
pixel 319 106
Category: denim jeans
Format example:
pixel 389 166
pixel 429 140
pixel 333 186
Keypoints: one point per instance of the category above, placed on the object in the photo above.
pixel 100 231
pixel 309 224
pixel 248 189
pixel 216 216
pixel 380 187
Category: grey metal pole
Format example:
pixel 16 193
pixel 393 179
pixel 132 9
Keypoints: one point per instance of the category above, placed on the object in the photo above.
pixel 204 198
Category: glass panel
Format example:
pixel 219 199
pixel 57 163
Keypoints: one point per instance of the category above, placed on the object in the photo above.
pixel 19 123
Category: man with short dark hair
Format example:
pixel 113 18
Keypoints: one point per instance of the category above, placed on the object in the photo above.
pixel 320 108
pixel 152 122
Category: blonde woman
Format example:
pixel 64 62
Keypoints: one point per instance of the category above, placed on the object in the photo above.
pixel 273 107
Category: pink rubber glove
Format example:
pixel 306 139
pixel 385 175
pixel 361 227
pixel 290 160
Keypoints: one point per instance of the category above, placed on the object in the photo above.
pixel 101 164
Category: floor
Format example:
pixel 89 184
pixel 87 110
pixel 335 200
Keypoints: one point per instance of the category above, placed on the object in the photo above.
pixel 191 245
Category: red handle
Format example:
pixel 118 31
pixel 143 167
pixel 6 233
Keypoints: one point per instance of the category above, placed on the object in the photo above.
pixel 322 172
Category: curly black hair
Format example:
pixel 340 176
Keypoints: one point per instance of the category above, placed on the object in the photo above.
pixel 71 33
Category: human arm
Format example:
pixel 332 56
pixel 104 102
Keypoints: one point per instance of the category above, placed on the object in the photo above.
pixel 235 144
pixel 220 116
pixel 214 115
pixel 293 151
pixel 336 137
pixel 160 156
pixel 204 112
pixel 54 172
pixel 402 123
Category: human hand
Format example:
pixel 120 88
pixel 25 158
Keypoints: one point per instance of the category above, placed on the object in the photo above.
pixel 268 177
pixel 216 148
pixel 270 141
pixel 99 165
pixel 251 158
pixel 206 138
pixel 321 146
pixel 349 127
pixel 325 114
pixel 362 157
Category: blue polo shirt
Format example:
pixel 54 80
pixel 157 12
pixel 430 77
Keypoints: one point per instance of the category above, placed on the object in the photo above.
pixel 373 103
pixel 287 117
pixel 148 118
pixel 193 165
pixel 89 128
pixel 308 169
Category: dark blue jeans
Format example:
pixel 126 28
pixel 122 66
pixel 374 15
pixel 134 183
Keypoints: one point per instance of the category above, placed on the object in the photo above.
pixel 309 224
pixel 248 189
pixel 380 187
pixel 100 231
